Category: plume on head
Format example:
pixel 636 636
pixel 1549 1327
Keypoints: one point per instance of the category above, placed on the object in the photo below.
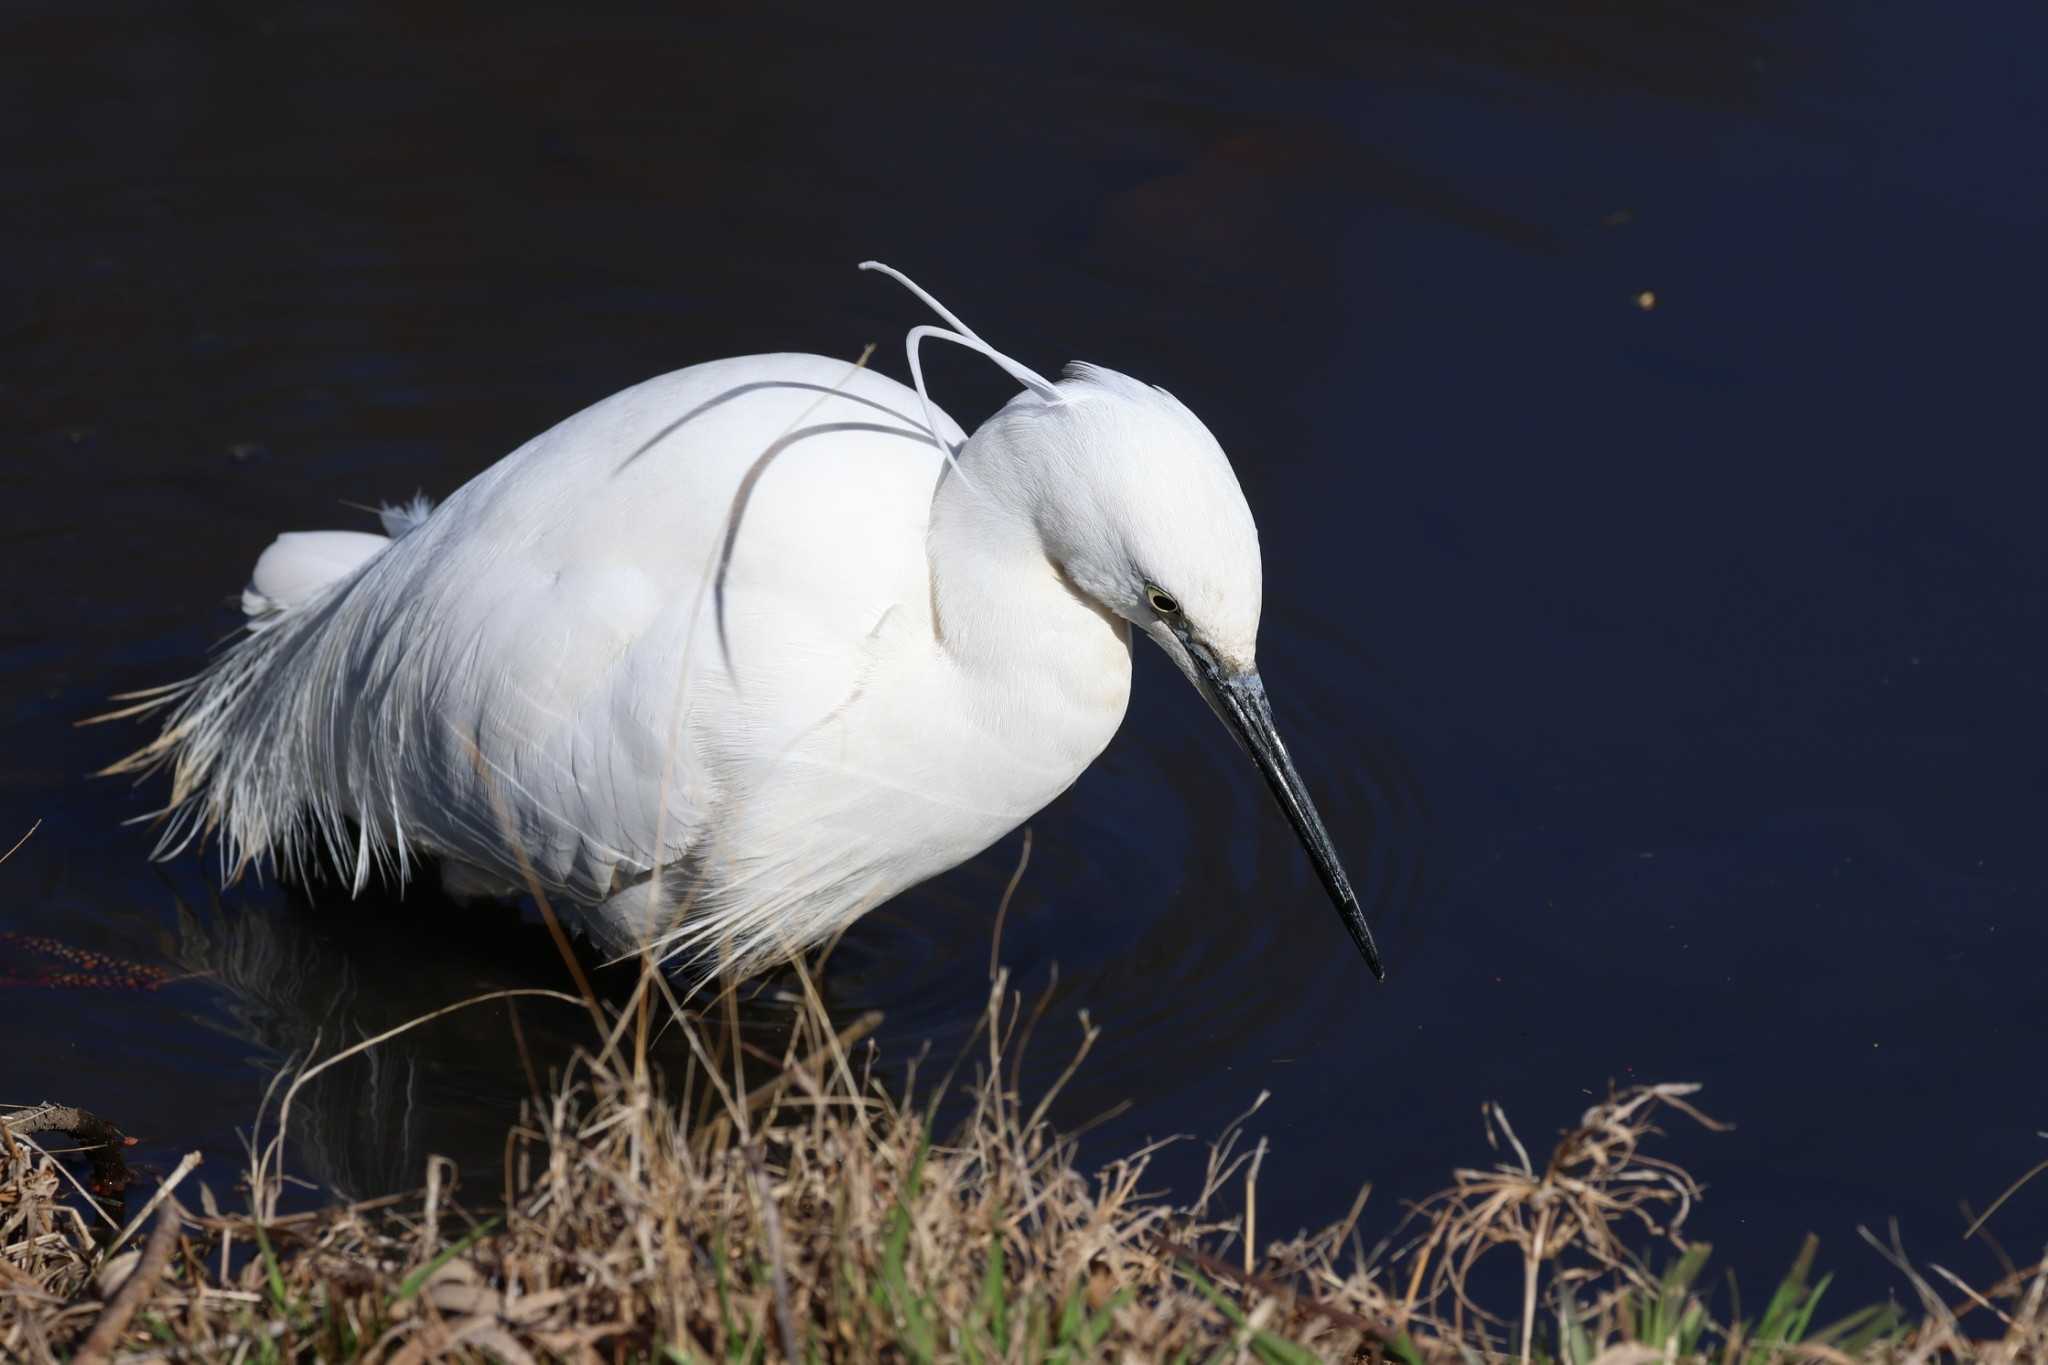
pixel 1128 488
pixel 960 334
pixel 1140 496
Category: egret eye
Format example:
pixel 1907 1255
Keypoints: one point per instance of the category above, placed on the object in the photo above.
pixel 1161 603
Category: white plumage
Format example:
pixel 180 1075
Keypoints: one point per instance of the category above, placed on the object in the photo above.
pixel 729 657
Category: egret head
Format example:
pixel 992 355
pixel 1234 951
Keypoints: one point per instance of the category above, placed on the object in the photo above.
pixel 1137 507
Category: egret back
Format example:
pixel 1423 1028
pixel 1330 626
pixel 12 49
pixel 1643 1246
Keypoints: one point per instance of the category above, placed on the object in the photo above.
pixel 605 636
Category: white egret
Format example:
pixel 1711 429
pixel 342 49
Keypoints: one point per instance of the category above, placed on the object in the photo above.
pixel 736 654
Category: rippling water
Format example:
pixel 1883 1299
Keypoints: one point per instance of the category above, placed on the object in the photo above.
pixel 1669 674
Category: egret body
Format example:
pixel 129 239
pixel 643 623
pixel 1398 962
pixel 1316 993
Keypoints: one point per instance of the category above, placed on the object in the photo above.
pixel 733 656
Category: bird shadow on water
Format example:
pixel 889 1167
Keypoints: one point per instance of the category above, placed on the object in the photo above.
pixel 304 976
pixel 301 974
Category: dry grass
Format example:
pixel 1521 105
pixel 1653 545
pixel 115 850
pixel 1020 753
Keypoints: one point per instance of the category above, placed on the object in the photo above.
pixel 787 1207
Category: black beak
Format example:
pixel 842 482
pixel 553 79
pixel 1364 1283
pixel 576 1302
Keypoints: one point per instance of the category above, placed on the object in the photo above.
pixel 1240 699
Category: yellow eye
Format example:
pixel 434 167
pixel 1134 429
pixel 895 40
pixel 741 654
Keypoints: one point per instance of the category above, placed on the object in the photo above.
pixel 1161 603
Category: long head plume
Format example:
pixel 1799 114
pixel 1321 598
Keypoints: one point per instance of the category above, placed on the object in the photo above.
pixel 960 334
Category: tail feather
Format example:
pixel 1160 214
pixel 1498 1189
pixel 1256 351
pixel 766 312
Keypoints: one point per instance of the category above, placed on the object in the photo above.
pixel 228 742
pixel 299 565
pixel 232 737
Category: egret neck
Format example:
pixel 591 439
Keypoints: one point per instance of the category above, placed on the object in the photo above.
pixel 1046 670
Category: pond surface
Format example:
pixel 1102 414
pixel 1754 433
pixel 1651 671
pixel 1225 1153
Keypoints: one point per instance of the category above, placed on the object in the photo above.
pixel 1639 403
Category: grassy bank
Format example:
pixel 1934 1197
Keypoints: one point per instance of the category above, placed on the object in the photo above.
pixel 778 1207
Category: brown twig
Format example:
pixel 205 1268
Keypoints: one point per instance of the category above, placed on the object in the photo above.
pixel 995 943
pixel 134 1291
pixel 2010 1191
pixel 109 1169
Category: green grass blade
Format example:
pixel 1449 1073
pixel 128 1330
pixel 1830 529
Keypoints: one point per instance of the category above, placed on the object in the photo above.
pixel 1574 1343
pixel 1791 1291
pixel 1269 1347
pixel 1068 1327
pixel 413 1283
pixel 1070 1316
pixel 1400 1345
pixel 272 1272
pixel 1102 1319
pixel 995 1308
pixel 1213 1295
pixel 729 1327
pixel 1803 1319
pixel 1859 1331
pixel 919 1340
pixel 1691 1324
pixel 1278 1350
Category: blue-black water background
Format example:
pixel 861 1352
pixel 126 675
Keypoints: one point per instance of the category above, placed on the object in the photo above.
pixel 1639 404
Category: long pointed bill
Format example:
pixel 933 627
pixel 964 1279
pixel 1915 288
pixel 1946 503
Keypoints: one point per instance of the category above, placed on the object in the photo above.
pixel 1240 699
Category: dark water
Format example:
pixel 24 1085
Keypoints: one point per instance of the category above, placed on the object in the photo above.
pixel 1673 677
